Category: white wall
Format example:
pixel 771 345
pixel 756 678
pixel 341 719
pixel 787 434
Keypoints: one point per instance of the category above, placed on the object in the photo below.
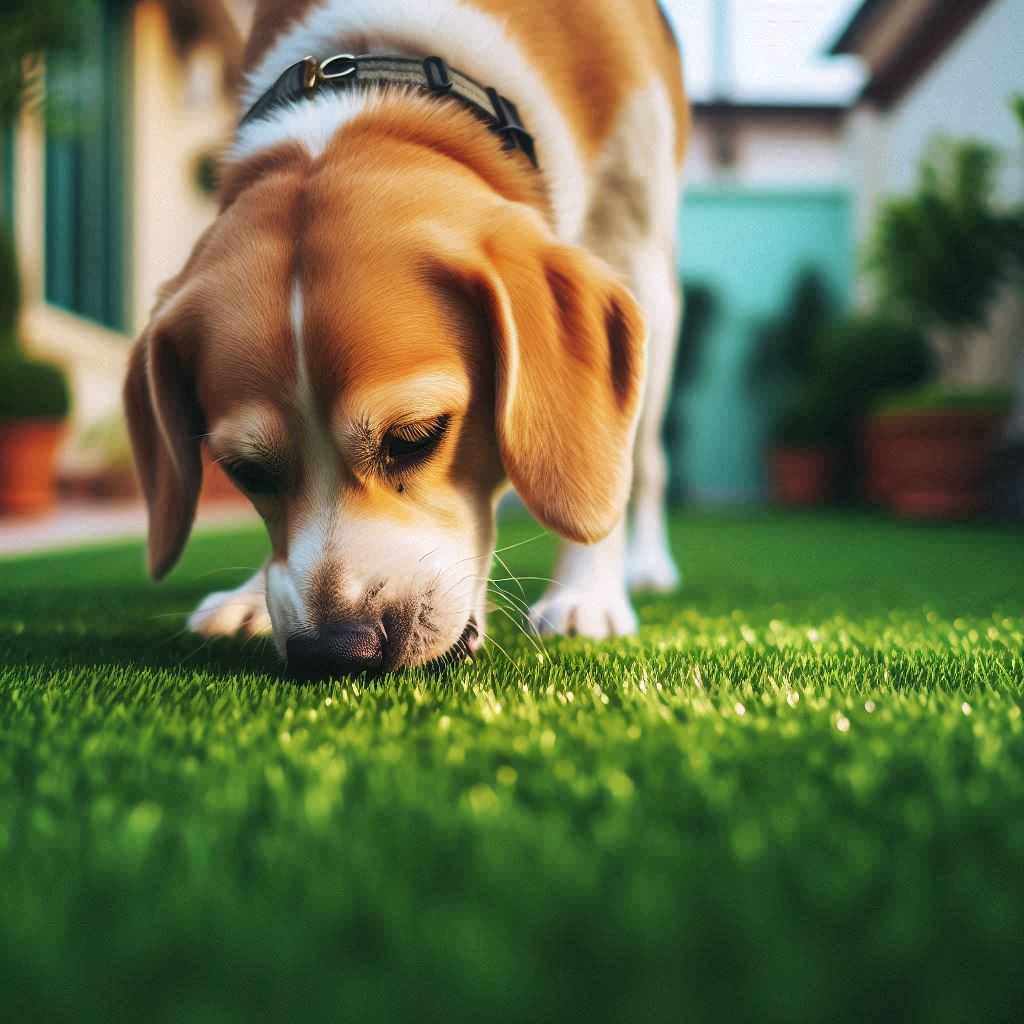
pixel 179 112
pixel 964 94
pixel 770 152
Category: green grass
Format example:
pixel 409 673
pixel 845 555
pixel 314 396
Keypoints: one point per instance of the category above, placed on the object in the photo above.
pixel 799 795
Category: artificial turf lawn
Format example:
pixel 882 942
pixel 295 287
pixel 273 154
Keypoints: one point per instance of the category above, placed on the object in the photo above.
pixel 799 795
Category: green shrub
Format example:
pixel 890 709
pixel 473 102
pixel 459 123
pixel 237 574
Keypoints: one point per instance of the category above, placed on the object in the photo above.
pixel 807 416
pixel 30 389
pixel 942 399
pixel 941 253
pixel 867 356
pixel 783 347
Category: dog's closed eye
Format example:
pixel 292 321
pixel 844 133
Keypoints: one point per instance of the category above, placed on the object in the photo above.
pixel 410 444
pixel 252 478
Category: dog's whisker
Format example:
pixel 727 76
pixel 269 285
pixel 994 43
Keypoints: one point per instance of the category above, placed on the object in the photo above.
pixel 228 568
pixel 451 586
pixel 429 553
pixel 490 639
pixel 537 647
pixel 519 604
pixel 529 579
pixel 522 543
pixel 511 575
pixel 523 609
pixel 499 551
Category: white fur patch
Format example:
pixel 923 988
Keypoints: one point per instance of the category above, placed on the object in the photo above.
pixel 309 543
pixel 475 43
pixel 243 610
pixel 311 123
pixel 588 597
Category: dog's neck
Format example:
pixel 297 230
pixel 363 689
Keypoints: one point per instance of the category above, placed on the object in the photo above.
pixel 318 129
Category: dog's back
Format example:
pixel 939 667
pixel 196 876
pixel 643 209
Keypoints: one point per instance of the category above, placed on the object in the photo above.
pixel 572 66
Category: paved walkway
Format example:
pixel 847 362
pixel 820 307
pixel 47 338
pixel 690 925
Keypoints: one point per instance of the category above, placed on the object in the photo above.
pixel 74 524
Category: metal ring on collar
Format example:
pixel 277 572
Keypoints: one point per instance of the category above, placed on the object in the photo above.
pixel 325 73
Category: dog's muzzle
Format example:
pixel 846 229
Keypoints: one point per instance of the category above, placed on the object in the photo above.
pixel 356 648
pixel 336 651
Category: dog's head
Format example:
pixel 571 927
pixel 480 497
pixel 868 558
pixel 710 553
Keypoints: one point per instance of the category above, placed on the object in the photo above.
pixel 370 355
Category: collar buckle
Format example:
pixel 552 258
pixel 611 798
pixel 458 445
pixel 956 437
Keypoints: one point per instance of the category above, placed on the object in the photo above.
pixel 316 72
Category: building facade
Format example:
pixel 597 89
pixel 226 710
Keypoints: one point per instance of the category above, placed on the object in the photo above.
pixel 106 184
pixel 935 69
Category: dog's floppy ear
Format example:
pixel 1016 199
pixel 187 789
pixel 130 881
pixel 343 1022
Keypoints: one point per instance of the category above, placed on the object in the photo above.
pixel 166 427
pixel 569 360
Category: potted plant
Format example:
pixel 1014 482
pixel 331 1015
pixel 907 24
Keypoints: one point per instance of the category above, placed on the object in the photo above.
pixel 934 449
pixel 942 255
pixel 859 360
pixel 33 394
pixel 33 407
pixel 802 457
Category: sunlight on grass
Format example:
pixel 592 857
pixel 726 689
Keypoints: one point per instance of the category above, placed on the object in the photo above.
pixel 808 771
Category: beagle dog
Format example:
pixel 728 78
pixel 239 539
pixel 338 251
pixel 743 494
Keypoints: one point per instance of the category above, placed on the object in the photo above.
pixel 443 263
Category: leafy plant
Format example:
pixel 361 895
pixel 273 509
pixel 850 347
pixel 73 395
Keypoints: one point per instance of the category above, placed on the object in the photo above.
pixel 700 307
pixel 783 365
pixel 943 399
pixel 784 347
pixel 808 415
pixel 941 253
pixel 862 357
pixel 27 29
pixel 31 389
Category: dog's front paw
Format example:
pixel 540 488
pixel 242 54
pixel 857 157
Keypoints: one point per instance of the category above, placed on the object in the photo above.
pixel 576 612
pixel 232 611
pixel 651 568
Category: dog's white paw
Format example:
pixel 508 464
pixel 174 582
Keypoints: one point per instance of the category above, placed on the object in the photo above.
pixel 651 568
pixel 577 612
pixel 232 611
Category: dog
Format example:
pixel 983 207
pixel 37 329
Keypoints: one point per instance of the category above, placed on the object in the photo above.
pixel 409 301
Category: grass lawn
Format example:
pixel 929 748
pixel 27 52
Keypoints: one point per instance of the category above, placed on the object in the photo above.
pixel 799 795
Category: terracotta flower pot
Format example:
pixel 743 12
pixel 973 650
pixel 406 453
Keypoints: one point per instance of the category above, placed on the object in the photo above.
pixel 801 476
pixel 28 465
pixel 880 448
pixel 931 464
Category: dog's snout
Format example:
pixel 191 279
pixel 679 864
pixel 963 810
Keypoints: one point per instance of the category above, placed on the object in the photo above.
pixel 336 650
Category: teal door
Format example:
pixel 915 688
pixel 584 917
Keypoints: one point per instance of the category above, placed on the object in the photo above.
pixel 748 247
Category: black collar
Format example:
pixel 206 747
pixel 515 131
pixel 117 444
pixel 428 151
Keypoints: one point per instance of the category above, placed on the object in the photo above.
pixel 345 71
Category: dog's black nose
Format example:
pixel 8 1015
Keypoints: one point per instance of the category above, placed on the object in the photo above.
pixel 335 651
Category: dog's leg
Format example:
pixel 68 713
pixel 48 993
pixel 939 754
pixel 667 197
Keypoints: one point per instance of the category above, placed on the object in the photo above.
pixel 649 562
pixel 242 610
pixel 588 595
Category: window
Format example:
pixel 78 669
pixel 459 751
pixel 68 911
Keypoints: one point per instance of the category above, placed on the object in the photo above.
pixel 86 236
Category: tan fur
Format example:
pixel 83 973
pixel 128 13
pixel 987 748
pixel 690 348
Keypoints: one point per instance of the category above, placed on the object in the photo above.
pixel 430 284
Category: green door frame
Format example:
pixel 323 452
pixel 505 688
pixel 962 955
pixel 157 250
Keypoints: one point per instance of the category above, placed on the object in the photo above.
pixel 87 238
